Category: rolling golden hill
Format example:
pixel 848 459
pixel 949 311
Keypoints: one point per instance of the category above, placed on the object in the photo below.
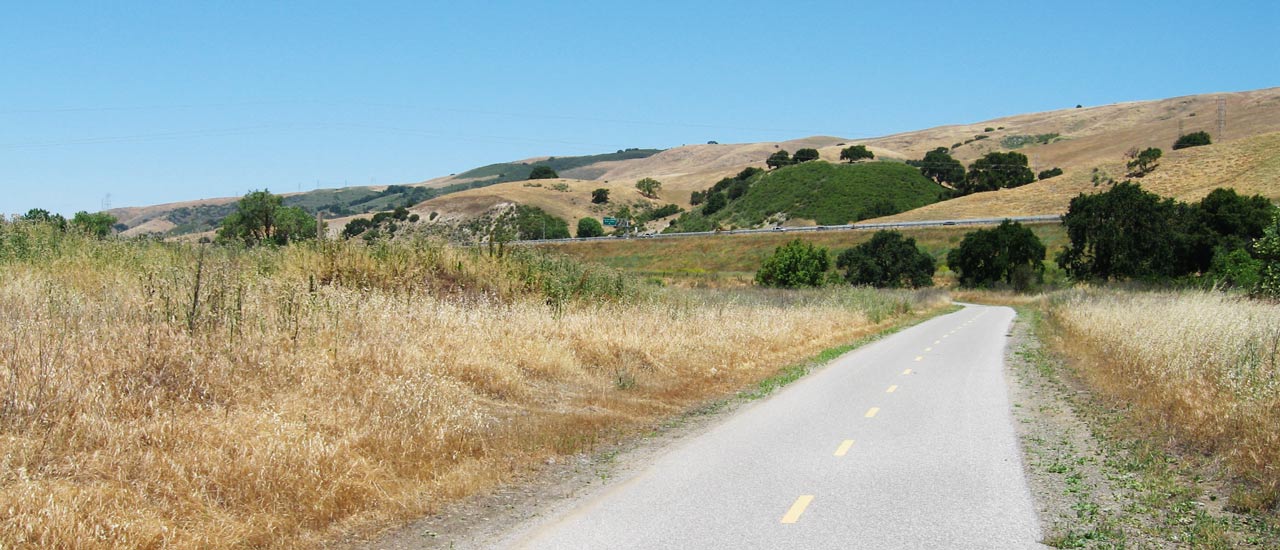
pixel 1245 155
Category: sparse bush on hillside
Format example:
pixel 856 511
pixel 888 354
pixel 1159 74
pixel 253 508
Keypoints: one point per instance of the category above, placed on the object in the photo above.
pixel 1051 173
pixel 795 264
pixel 590 227
pixel 1019 141
pixel 888 260
pixel 1143 162
pixel 543 172
pixel 649 187
pixel 600 196
pixel 996 170
pixel 1194 139
pixel 805 155
pixel 1009 254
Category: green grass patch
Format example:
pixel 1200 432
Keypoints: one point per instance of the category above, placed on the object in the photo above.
pixel 829 194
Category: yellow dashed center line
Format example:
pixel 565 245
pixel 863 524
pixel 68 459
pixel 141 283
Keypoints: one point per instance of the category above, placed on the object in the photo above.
pixel 871 413
pixel 919 358
pixel 793 515
pixel 936 342
pixel 891 389
pixel 927 350
pixel 908 371
pixel 844 447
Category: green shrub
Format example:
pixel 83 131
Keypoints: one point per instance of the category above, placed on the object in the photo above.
pixel 1051 173
pixel 543 172
pixel 1010 253
pixel 590 227
pixel 805 155
pixel 888 260
pixel 795 264
pixel 1194 139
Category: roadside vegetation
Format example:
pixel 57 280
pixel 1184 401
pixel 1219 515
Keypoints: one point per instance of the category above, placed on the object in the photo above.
pixel 1201 366
pixel 190 396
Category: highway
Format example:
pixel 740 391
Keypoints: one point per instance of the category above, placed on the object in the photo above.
pixel 845 227
pixel 905 443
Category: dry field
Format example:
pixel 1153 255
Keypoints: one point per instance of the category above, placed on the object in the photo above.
pixel 155 396
pixel 1203 367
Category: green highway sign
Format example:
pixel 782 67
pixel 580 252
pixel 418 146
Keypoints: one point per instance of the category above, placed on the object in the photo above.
pixel 609 220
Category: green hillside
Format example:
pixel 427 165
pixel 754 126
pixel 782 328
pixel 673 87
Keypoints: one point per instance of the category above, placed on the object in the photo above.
pixel 517 171
pixel 828 194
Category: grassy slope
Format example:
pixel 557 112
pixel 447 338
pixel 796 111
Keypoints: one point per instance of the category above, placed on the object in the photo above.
pixel 1250 165
pixel 832 194
pixel 516 171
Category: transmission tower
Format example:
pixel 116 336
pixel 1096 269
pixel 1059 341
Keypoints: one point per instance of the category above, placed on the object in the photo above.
pixel 1222 119
pixel 106 202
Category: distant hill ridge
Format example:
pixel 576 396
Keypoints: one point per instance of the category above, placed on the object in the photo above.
pixel 1074 139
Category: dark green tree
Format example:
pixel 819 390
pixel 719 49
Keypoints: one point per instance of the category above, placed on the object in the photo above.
pixel 1009 253
pixel 590 227
pixel 40 215
pixel 1125 233
pixel 779 159
pixel 996 170
pixel 715 203
pixel 294 224
pixel 805 155
pixel 1194 139
pixel 939 166
pixel 356 227
pixel 1143 162
pixel 98 225
pixel 856 153
pixel 888 260
pixel 795 264
pixel 697 197
pixel 600 196
pixel 543 172
pixel 261 218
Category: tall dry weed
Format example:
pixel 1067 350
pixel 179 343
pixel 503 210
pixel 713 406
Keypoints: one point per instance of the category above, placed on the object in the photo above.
pixel 280 398
pixel 1203 365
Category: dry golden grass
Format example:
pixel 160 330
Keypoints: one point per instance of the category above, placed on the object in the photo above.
pixel 315 392
pixel 1202 366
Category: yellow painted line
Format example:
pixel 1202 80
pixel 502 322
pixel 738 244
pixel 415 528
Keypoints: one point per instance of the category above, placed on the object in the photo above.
pixel 936 342
pixel 945 335
pixel 919 358
pixel 891 389
pixel 793 515
pixel 908 371
pixel 927 350
pixel 844 447
pixel 871 413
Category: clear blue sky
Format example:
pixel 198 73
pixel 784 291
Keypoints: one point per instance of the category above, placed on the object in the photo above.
pixel 168 101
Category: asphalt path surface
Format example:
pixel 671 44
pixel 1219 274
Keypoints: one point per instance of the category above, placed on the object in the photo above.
pixel 905 443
